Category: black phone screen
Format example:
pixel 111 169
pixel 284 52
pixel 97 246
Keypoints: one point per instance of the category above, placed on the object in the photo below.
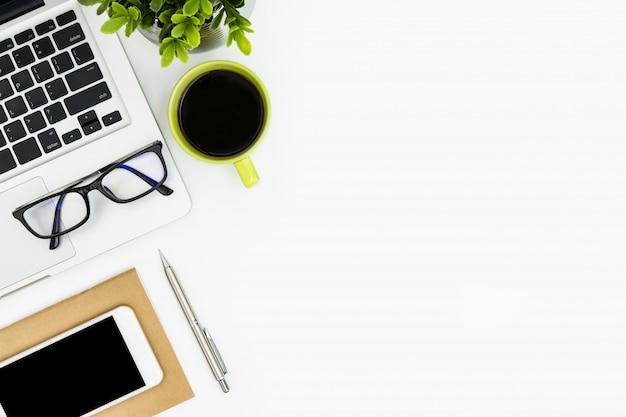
pixel 72 376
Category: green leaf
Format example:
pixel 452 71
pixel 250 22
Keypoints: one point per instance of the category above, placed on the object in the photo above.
pixel 165 32
pixel 242 21
pixel 104 6
pixel 168 54
pixel 179 30
pixel 155 5
pixel 185 44
pixel 166 16
pixel 164 44
pixel 89 2
pixel 193 36
pixel 229 9
pixel 178 18
pixel 181 53
pixel 130 27
pixel 136 3
pixel 119 9
pixel 134 13
pixel 191 7
pixel 243 43
pixel 217 20
pixel 207 7
pixel 147 20
pixel 113 24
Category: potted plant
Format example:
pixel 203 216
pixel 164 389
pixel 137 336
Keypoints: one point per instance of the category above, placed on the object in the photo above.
pixel 179 22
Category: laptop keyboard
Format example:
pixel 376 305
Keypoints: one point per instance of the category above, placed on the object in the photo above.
pixel 50 86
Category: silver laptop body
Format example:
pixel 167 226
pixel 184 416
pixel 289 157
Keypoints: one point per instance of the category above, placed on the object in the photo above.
pixel 69 105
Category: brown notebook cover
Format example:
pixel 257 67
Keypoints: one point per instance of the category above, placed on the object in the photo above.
pixel 124 289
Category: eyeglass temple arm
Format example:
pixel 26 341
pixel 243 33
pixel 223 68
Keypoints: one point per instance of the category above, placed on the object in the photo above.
pixel 163 189
pixel 56 224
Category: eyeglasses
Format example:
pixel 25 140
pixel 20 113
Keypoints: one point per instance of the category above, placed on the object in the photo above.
pixel 127 179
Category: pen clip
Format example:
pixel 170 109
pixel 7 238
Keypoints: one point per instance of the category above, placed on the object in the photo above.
pixel 214 351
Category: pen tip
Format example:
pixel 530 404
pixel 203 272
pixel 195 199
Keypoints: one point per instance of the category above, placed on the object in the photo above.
pixel 165 264
pixel 224 385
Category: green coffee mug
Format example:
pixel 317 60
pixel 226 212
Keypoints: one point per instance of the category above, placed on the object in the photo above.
pixel 218 112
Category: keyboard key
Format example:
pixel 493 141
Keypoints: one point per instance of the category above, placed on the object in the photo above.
pixel 6 44
pixel 42 71
pixel 87 98
pixel 16 107
pixel 5 89
pixel 14 131
pixel 91 127
pixel 22 80
pixel 3 116
pixel 6 65
pixel 66 18
pixel 7 162
pixel 54 113
pixel 45 27
pixel 23 37
pixel 62 62
pixel 43 47
pixel 3 141
pixel 56 89
pixel 83 76
pixel 23 56
pixel 82 53
pixel 86 118
pixel 89 122
pixel 72 136
pixel 27 150
pixel 35 122
pixel 36 98
pixel 69 36
pixel 111 118
pixel 49 140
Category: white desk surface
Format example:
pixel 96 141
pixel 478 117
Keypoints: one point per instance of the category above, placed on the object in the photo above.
pixel 440 226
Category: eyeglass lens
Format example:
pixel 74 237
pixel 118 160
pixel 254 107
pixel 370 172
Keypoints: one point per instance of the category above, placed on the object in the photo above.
pixel 134 177
pixel 72 209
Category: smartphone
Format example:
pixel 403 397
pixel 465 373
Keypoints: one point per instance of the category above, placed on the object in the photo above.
pixel 81 371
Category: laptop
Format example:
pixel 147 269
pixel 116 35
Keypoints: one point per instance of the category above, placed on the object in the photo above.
pixel 69 105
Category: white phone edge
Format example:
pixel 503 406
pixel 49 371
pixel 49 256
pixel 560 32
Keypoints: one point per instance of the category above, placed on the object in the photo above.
pixel 135 339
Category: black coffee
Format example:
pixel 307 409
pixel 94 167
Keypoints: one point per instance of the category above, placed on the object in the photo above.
pixel 221 113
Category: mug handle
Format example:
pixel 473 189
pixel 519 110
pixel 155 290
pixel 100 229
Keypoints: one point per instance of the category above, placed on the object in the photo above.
pixel 247 172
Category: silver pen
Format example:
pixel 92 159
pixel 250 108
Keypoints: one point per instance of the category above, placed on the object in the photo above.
pixel 205 340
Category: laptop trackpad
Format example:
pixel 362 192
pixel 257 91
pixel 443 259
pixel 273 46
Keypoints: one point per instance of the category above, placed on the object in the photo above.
pixel 22 253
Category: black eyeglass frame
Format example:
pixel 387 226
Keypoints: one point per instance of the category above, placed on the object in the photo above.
pixel 96 184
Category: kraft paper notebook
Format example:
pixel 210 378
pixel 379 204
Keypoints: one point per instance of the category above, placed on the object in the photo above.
pixel 124 289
